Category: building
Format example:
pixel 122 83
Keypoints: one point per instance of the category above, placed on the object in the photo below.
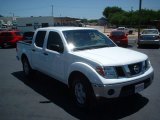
pixel 32 23
pixel 6 22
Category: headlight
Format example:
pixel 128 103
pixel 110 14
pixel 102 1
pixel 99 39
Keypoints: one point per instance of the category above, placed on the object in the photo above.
pixel 146 65
pixel 107 72
pixel 110 72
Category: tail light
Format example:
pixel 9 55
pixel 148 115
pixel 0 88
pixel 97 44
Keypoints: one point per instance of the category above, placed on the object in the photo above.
pixel 126 36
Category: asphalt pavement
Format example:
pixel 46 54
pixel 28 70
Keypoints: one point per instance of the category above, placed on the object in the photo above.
pixel 44 98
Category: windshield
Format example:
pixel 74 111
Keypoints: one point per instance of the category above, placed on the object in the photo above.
pixel 117 33
pixel 86 39
pixel 150 32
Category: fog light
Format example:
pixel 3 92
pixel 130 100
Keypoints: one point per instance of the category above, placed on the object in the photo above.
pixel 111 92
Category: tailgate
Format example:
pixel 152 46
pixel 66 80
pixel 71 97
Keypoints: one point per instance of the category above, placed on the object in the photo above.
pixel 23 47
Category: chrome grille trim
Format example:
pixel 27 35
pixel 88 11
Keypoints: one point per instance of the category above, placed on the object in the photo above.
pixel 128 69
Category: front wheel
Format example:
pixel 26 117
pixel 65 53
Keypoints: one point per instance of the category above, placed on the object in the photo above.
pixel 82 93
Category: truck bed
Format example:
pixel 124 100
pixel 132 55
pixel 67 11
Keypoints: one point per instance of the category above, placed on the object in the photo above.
pixel 23 47
pixel 27 42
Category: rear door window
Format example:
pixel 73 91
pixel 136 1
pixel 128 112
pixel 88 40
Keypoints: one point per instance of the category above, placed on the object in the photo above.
pixel 40 38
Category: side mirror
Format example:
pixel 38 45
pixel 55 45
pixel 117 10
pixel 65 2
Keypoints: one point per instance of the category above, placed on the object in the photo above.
pixel 140 33
pixel 57 48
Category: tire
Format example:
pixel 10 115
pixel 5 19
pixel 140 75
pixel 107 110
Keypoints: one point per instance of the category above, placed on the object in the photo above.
pixel 28 71
pixel 139 46
pixel 2 45
pixel 158 46
pixel 82 93
pixel 130 32
pixel 126 45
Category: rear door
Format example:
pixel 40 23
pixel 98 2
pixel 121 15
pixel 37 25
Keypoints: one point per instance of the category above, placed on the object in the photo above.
pixel 37 51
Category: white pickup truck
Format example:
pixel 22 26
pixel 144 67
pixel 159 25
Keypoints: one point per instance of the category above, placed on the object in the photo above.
pixel 87 61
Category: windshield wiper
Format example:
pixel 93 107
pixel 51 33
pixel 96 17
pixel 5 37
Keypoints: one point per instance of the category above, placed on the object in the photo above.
pixel 101 46
pixel 91 47
pixel 82 48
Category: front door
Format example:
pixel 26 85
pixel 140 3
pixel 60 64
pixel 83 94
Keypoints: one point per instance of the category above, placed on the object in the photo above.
pixel 54 59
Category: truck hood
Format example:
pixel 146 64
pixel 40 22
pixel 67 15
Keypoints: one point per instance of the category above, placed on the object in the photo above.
pixel 112 56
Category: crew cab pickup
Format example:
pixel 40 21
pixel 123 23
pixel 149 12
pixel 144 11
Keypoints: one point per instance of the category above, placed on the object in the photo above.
pixel 126 30
pixel 87 61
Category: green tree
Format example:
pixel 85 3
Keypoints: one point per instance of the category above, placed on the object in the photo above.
pixel 109 11
pixel 117 16
pixel 84 20
pixel 93 21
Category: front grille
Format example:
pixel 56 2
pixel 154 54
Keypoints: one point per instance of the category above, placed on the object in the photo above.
pixel 132 69
pixel 135 68
pixel 149 37
pixel 120 72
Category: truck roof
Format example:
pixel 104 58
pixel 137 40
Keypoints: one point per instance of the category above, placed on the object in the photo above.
pixel 66 28
pixel 151 29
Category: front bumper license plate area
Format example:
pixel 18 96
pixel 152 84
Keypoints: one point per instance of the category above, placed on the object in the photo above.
pixel 134 88
pixel 139 87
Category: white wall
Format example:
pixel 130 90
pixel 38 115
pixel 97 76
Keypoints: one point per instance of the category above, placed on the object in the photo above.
pixel 35 21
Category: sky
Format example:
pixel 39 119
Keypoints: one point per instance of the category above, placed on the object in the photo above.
pixel 84 9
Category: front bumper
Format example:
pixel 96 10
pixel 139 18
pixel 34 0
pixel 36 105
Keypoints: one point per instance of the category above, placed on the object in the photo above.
pixel 123 89
pixel 149 42
pixel 121 42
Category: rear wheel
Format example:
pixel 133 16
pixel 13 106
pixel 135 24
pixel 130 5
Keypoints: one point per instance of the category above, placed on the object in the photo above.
pixel 82 93
pixel 125 45
pixel 2 45
pixel 158 46
pixel 139 45
pixel 28 71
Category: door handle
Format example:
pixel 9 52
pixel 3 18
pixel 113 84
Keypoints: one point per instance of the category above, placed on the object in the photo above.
pixel 45 53
pixel 33 50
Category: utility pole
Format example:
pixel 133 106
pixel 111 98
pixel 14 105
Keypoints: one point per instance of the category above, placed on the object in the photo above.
pixel 12 16
pixel 131 17
pixel 139 26
pixel 52 15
